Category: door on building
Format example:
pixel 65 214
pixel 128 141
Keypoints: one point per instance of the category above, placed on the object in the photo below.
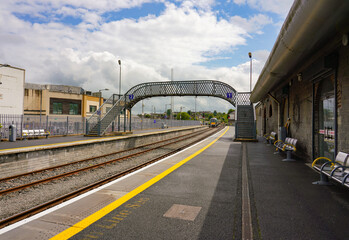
pixel 324 118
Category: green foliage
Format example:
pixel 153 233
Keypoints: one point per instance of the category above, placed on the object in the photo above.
pixel 183 116
pixel 147 115
pixel 231 111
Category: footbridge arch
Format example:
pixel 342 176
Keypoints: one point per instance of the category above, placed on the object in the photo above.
pixel 98 123
pixel 210 88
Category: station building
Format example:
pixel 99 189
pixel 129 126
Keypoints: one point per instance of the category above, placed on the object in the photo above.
pixel 12 81
pixel 303 89
pixel 59 100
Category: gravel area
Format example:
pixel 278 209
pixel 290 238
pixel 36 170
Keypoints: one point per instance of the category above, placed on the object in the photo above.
pixel 82 164
pixel 17 202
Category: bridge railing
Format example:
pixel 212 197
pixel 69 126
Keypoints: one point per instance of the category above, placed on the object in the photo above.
pixel 243 98
pixel 101 112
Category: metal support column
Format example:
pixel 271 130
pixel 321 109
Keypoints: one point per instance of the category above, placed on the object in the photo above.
pixel 125 119
pixel 130 128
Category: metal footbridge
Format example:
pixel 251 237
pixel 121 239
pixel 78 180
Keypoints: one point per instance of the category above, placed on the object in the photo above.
pixel 99 122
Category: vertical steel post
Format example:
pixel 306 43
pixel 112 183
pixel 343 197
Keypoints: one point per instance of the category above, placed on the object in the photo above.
pixel 130 128
pixel 250 55
pixel 125 119
pixel 119 61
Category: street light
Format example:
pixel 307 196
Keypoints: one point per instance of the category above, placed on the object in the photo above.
pixel 180 113
pixel 100 95
pixel 119 61
pixel 250 56
pixel 166 108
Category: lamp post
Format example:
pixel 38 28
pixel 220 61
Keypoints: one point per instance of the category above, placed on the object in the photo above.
pixel 180 113
pixel 195 108
pixel 119 61
pixel 100 95
pixel 166 108
pixel 100 109
pixel 250 56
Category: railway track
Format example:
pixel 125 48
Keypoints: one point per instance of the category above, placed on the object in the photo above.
pixel 87 164
pixel 141 150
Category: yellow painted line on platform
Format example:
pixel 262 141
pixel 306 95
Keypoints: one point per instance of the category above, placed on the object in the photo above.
pixel 104 211
pixel 62 143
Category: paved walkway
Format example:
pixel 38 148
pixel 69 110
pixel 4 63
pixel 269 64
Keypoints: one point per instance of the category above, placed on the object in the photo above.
pixel 63 139
pixel 207 198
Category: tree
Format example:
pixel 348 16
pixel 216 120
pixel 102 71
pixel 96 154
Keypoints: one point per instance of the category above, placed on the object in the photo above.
pixel 168 112
pixel 215 113
pixel 231 111
pixel 189 112
pixel 183 116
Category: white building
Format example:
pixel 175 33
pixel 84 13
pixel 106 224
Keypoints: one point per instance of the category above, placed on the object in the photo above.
pixel 11 89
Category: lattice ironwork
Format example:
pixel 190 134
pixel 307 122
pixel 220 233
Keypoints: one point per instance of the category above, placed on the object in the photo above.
pixel 181 88
pixel 99 122
pixel 243 98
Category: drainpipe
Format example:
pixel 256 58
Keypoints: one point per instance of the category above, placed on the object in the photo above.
pixel 279 114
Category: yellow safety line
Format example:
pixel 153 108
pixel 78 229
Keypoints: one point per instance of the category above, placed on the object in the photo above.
pixel 61 143
pixel 104 211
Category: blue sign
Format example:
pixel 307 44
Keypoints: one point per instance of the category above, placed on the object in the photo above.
pixel 229 95
pixel 99 112
pixel 131 96
pixel 154 121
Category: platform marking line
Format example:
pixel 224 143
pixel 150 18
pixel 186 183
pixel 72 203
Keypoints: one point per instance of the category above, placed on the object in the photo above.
pixel 112 206
pixel 50 210
pixel 247 231
pixel 63 144
pixel 81 142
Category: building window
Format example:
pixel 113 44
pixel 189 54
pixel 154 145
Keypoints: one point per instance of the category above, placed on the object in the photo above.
pixel 93 108
pixel 57 108
pixel 26 92
pixel 65 106
pixel 73 109
pixel 270 110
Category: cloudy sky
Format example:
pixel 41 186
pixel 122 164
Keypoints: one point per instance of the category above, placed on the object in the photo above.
pixel 79 42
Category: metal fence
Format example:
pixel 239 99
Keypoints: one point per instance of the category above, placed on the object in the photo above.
pixel 65 125
pixel 147 123
pixel 71 125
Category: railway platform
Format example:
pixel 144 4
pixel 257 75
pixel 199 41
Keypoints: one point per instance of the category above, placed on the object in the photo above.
pixel 65 139
pixel 216 189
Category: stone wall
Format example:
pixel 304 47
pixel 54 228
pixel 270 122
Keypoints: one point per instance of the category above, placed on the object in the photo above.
pixel 343 100
pixel 297 104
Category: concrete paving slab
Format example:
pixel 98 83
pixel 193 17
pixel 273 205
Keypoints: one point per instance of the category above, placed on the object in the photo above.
pixel 204 182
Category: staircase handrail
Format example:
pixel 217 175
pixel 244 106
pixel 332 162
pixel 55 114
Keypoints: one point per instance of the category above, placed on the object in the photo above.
pixel 107 101
pixel 117 103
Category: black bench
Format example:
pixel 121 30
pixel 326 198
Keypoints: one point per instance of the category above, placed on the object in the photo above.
pixel 337 170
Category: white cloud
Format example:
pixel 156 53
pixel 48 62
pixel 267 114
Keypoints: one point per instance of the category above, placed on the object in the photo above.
pixel 253 24
pixel 274 6
pixel 203 4
pixel 86 55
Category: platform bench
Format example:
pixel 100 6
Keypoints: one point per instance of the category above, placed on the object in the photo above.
pixel 35 133
pixel 288 146
pixel 270 138
pixel 337 170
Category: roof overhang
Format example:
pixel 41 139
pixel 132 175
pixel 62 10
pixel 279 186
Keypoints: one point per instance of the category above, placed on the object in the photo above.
pixel 308 26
